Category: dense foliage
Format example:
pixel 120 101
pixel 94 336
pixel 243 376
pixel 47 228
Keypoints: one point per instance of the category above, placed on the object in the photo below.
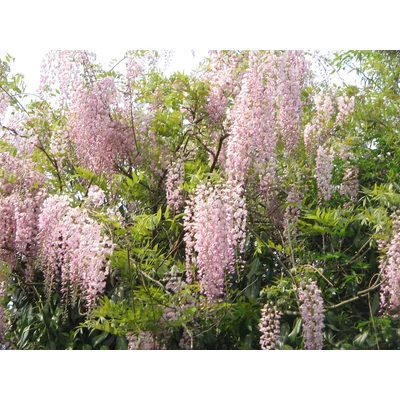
pixel 250 204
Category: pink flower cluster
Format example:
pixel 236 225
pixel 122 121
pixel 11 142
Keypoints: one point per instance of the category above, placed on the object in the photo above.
pixel 19 174
pixel 100 138
pixel 317 131
pixel 269 327
pixel 26 214
pixel 19 134
pixel 143 341
pixel 291 71
pixel 389 266
pixel 323 169
pixel 139 64
pixel 2 329
pixel 4 102
pixel 96 196
pixel 64 69
pixel 21 196
pixel 253 134
pixel 175 177
pixel 346 106
pixel 72 250
pixel 7 228
pixel 327 105
pixel 214 224
pixel 221 77
pixel 2 319
pixel 268 107
pixel 311 308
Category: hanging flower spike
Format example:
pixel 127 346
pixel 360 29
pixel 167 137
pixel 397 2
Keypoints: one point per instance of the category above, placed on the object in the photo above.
pixel 269 327
pixel 311 306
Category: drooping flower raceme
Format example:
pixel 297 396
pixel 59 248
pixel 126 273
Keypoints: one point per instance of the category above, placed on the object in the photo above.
pixel 7 228
pixel 346 108
pixel 21 196
pixel 2 320
pixel 215 219
pixel 267 108
pixel 324 167
pixel 73 250
pixel 4 102
pixel 26 214
pixel 253 135
pixel 269 327
pixel 101 140
pixel 389 266
pixel 175 177
pixel 222 78
pixel 291 72
pixel 64 69
pixel 331 111
pixel 2 329
pixel 311 308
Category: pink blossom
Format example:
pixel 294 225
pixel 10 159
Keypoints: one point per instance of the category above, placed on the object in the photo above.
pixel 215 219
pixel 291 74
pixel 73 250
pixel 2 318
pixel 96 196
pixel 4 102
pixel 2 329
pixel 175 177
pixel 101 141
pixel 346 108
pixel 390 270
pixel 311 308
pixel 269 327
pixel 221 77
pixel 143 341
pixel 267 108
pixel 331 112
pixel 65 70
pixel 323 169
pixel 253 134
pixel 21 196
pixel 7 228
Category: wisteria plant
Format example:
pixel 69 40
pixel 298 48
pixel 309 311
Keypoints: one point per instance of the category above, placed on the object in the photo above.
pixel 249 204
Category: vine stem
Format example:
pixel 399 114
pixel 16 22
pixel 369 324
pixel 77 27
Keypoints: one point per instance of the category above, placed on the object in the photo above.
pixel 360 294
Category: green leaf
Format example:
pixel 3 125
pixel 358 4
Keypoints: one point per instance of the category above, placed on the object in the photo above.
pixel 159 215
pixel 361 338
pixel 375 303
pixel 253 268
pixel 166 213
pixel 295 331
pixel 24 337
pixel 98 339
pixel 121 343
